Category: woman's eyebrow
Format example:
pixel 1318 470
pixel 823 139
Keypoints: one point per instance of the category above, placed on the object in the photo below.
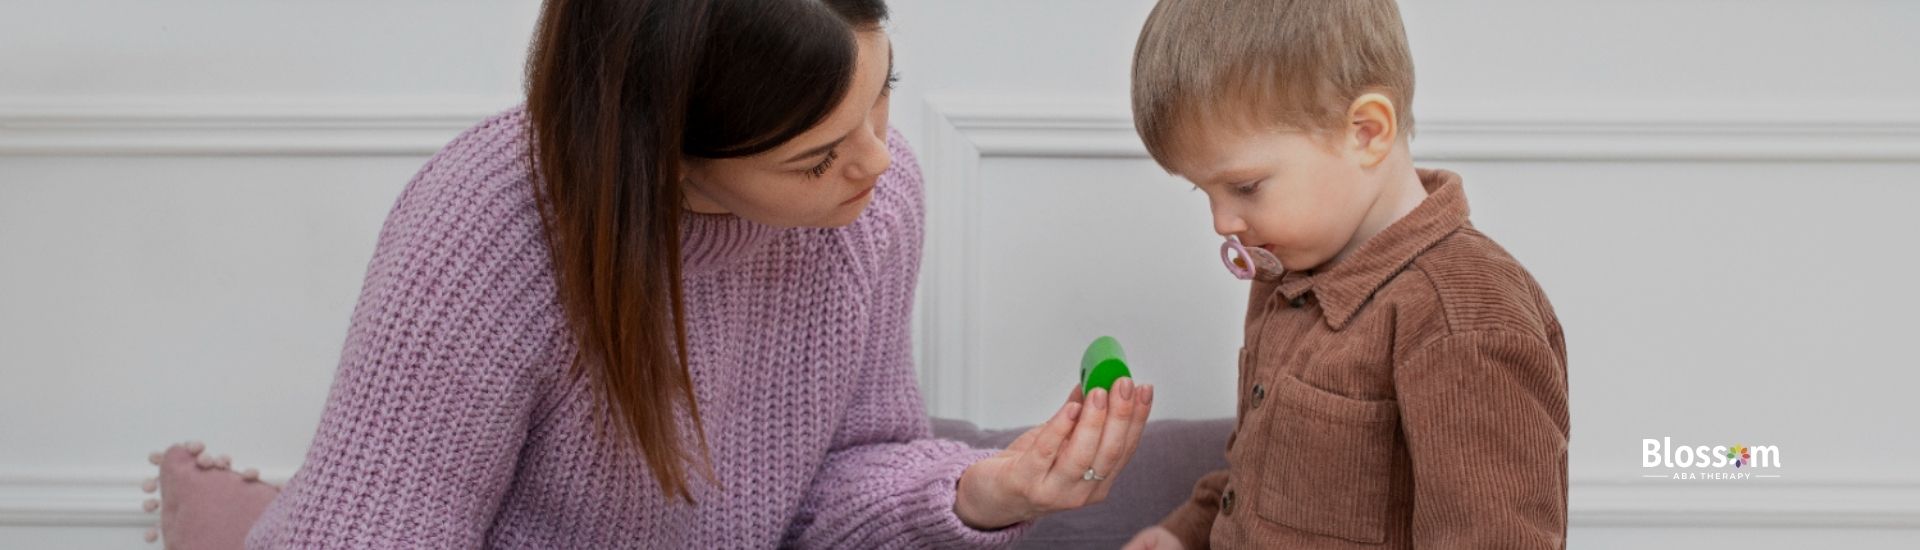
pixel 821 150
pixel 817 151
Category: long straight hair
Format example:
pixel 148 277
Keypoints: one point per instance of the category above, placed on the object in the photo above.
pixel 618 93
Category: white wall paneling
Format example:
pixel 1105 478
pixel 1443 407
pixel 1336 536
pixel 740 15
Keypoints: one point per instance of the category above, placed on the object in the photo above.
pixel 1716 194
pixel 1036 245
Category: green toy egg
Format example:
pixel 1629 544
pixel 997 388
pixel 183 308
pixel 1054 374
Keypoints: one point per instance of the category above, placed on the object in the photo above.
pixel 1102 364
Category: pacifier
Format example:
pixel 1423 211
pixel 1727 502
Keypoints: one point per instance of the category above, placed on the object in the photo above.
pixel 1245 263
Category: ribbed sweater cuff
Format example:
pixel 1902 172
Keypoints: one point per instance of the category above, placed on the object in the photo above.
pixel 937 525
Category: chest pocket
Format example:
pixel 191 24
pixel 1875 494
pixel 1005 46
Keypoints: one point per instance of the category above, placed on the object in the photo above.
pixel 1329 464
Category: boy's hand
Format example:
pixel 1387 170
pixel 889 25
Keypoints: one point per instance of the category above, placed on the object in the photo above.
pixel 1154 538
pixel 1046 469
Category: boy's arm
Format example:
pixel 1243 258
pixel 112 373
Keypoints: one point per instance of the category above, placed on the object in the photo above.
pixel 1485 416
pixel 1192 522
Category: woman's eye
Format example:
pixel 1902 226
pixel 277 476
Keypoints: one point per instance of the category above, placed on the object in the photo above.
pixel 1247 188
pixel 821 169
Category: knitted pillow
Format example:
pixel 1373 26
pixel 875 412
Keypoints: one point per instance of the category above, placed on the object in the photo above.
pixel 204 504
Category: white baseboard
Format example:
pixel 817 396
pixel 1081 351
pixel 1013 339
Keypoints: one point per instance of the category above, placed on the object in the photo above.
pixel 82 499
pixel 1855 504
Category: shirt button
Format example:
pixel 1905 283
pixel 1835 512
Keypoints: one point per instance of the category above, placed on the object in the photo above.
pixel 1299 301
pixel 1226 502
pixel 1259 394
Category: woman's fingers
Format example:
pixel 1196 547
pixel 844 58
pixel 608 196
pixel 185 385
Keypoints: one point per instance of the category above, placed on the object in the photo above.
pixel 1142 403
pixel 1068 411
pixel 1112 451
pixel 1078 455
pixel 1044 444
pixel 1026 441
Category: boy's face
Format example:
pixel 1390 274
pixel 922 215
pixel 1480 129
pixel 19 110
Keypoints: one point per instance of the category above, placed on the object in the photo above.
pixel 1301 196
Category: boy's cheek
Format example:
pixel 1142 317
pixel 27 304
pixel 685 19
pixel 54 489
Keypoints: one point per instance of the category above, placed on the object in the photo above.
pixel 1300 241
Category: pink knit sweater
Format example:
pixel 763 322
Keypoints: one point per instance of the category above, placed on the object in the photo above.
pixel 450 423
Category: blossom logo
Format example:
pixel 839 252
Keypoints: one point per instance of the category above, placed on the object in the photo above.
pixel 1740 451
pixel 1662 453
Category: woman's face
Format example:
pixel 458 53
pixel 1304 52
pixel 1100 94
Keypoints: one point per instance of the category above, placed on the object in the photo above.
pixel 823 177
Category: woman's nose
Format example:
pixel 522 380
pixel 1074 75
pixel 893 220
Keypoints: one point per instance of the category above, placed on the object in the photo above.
pixel 870 156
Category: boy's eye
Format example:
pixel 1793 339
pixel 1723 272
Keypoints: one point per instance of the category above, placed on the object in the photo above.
pixel 1247 188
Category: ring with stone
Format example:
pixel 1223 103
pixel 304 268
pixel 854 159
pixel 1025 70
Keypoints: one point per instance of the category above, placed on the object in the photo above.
pixel 1090 476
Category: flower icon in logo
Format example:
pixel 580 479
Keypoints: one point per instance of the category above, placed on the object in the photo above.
pixel 1739 455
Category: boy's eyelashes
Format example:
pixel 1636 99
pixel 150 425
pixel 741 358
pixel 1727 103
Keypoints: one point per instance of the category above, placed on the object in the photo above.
pixel 1246 188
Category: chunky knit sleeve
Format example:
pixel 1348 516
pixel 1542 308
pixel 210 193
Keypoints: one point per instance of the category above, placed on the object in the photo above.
pixel 886 482
pixel 448 349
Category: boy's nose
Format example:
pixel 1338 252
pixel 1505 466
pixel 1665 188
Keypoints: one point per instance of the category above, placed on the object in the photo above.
pixel 1228 225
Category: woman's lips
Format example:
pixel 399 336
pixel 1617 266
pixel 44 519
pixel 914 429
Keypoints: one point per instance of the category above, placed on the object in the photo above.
pixel 856 198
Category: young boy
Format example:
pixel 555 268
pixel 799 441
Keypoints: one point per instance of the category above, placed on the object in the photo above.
pixel 1403 382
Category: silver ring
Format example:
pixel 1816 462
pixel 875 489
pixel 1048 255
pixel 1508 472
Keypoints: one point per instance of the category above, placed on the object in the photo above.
pixel 1090 476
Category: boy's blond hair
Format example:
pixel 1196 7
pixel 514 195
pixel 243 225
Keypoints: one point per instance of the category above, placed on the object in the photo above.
pixel 1265 63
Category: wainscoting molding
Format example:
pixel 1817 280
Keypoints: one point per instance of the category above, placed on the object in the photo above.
pixel 962 131
pixel 237 127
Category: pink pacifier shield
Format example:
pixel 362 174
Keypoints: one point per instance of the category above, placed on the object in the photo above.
pixel 1246 263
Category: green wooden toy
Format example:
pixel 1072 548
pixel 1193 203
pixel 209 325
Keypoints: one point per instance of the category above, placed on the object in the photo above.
pixel 1103 363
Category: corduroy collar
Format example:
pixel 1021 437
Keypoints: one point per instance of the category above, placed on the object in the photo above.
pixel 1346 285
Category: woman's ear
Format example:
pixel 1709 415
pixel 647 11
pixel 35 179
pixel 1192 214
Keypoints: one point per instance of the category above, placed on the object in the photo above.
pixel 693 173
pixel 1372 128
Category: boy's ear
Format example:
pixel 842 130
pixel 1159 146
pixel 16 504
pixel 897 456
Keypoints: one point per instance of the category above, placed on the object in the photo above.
pixel 1372 128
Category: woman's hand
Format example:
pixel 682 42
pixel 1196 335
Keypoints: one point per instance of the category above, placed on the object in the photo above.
pixel 1068 462
pixel 1154 538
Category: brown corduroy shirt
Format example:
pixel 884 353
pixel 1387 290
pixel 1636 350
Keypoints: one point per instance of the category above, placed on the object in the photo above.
pixel 1410 395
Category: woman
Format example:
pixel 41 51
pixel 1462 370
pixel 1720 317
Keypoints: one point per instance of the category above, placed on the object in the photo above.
pixel 666 304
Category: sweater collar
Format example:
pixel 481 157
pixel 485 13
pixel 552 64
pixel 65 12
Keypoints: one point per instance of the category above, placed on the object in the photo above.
pixel 713 241
pixel 1343 287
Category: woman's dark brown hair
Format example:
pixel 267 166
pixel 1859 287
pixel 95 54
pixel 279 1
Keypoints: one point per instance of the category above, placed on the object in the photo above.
pixel 618 93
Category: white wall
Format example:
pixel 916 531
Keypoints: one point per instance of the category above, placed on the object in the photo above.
pixel 1714 193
